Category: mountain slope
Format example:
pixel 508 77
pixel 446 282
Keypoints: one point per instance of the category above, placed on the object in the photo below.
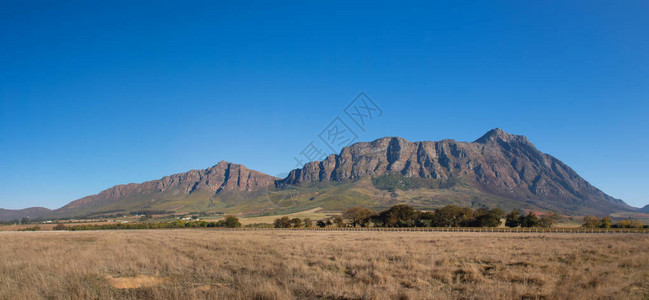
pixel 32 213
pixel 171 193
pixel 645 209
pixel 497 163
pixel 497 170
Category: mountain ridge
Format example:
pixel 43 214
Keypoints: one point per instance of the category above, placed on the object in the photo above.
pixel 500 164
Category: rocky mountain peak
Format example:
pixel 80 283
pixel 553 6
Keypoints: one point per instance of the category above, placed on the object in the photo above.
pixel 498 163
pixel 499 135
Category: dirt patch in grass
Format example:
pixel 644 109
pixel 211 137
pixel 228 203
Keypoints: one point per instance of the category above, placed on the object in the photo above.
pixel 133 282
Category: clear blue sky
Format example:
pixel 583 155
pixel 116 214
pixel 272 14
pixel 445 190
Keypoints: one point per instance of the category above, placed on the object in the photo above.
pixel 98 93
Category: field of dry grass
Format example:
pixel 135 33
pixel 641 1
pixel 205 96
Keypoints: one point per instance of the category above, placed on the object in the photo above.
pixel 195 264
pixel 314 214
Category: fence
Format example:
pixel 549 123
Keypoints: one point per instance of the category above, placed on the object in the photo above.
pixel 458 229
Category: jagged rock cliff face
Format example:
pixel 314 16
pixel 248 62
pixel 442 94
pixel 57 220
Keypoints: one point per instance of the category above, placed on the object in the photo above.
pixel 498 169
pixel 224 176
pixel 498 163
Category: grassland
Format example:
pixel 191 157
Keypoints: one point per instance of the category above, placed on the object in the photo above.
pixel 208 264
pixel 314 214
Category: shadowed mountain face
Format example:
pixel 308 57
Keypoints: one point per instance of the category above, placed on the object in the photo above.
pixel 645 209
pixel 498 169
pixel 32 212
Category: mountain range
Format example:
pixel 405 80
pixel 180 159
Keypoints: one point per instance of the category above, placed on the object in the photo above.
pixel 496 170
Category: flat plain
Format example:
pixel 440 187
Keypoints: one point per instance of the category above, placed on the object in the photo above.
pixel 220 264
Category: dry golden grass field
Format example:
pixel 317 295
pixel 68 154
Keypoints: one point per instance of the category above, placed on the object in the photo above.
pixel 214 264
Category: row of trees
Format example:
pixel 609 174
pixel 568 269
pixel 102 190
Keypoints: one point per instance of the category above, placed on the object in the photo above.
pixel 447 216
pixel 405 216
pixel 286 222
pixel 228 222
pixel 605 222
pixel 515 219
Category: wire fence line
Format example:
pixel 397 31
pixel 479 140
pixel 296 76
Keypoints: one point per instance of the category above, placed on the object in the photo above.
pixel 455 229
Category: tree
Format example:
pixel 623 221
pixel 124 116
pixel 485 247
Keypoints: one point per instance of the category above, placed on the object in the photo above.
pixel 358 216
pixel 340 222
pixel 283 222
pixel 424 219
pixel 530 220
pixel 488 217
pixel 629 224
pixel 296 222
pixel 307 222
pixel 546 221
pixel 59 226
pixel 400 215
pixel 232 221
pixel 590 222
pixel 605 222
pixel 513 218
pixel 453 216
pixel 321 223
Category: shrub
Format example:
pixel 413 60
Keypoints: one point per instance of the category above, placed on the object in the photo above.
pixel 453 216
pixel 340 222
pixel 231 222
pixel 530 220
pixel 283 222
pixel 307 222
pixel 546 221
pixel 605 222
pixel 488 217
pixel 59 226
pixel 358 216
pixel 591 222
pixel 296 222
pixel 629 224
pixel 513 218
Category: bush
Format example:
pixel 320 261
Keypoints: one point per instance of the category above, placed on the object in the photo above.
pixel 296 222
pixel 513 218
pixel 629 224
pixel 453 216
pixel 605 222
pixel 339 221
pixel 283 222
pixel 591 222
pixel 488 217
pixel 307 222
pixel 35 228
pixel 59 226
pixel 530 220
pixel 400 215
pixel 231 221
pixel 358 216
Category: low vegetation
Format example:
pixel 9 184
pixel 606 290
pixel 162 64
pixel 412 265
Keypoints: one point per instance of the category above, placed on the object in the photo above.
pixel 207 264
pixel 605 222
pixel 405 216
pixel 228 222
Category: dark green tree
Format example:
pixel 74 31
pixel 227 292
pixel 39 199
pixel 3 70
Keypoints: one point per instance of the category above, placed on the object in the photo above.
pixel 358 216
pixel 296 222
pixel 513 218
pixel 230 222
pixel 283 222
pixel 530 220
